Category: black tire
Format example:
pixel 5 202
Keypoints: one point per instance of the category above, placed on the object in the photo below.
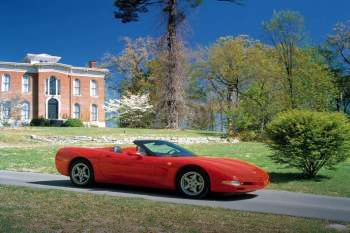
pixel 83 177
pixel 201 177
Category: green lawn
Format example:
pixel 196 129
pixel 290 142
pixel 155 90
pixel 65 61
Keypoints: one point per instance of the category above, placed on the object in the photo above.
pixel 35 159
pixel 335 183
pixel 30 210
pixel 105 132
pixel 21 135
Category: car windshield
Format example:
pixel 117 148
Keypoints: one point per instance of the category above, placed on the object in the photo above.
pixel 164 148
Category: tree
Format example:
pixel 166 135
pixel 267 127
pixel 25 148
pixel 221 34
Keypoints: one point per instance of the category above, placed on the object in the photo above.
pixel 314 81
pixel 343 100
pixel 199 110
pixel 133 64
pixel 286 31
pixel 175 14
pixel 265 96
pixel 340 41
pixel 132 110
pixel 337 52
pixel 246 75
pixel 230 68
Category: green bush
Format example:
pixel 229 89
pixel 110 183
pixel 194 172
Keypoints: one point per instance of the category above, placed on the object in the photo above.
pixel 73 123
pixel 247 136
pixel 309 140
pixel 252 136
pixel 41 121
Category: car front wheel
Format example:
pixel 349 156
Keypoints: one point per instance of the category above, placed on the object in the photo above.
pixel 193 183
pixel 81 173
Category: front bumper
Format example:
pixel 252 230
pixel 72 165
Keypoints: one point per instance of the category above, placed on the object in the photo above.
pixel 241 185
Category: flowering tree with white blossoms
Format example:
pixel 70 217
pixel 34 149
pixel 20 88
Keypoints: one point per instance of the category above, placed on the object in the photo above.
pixel 132 111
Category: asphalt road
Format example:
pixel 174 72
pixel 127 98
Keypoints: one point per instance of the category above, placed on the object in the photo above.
pixel 265 201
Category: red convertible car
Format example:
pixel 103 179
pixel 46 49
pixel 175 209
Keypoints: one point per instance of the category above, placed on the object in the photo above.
pixel 159 164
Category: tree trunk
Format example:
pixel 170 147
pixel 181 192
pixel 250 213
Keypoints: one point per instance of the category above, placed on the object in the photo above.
pixel 221 118
pixel 290 72
pixel 230 125
pixel 171 83
pixel 291 92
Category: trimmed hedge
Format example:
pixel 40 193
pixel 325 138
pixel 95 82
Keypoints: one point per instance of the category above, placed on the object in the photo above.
pixel 46 123
pixel 41 121
pixel 73 123
pixel 309 140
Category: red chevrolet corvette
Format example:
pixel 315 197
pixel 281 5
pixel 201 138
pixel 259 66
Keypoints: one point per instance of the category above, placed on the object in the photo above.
pixel 159 164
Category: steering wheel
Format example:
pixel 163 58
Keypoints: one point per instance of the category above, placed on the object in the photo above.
pixel 172 151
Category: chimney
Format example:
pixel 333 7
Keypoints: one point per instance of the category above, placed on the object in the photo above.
pixel 92 64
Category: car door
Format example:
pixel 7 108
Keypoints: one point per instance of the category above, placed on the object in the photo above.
pixel 125 168
pixel 161 162
pixel 161 175
pixel 144 170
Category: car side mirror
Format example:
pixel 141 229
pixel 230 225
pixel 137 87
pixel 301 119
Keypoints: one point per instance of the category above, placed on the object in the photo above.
pixel 117 149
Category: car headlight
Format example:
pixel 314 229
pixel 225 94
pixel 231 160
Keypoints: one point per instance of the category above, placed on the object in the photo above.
pixel 235 183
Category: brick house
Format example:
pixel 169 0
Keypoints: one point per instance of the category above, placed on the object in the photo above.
pixel 42 87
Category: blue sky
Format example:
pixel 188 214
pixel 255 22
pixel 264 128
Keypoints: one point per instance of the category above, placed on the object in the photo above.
pixel 81 30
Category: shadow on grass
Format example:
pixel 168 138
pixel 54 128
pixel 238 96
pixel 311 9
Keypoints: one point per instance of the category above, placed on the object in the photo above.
pixel 139 192
pixel 283 177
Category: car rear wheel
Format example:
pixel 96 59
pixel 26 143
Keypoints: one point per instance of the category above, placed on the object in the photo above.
pixel 193 183
pixel 81 173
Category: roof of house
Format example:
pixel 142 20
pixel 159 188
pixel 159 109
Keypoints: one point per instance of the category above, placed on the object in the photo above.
pixel 34 63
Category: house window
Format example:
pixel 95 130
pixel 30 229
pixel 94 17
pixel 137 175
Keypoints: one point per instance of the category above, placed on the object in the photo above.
pixel 25 84
pixel 93 88
pixel 76 87
pixel 6 82
pixel 6 111
pixel 25 111
pixel 94 112
pixel 77 111
pixel 53 86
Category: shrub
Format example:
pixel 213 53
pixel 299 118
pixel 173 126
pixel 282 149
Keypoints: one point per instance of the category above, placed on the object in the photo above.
pixel 309 140
pixel 55 123
pixel 41 121
pixel 247 136
pixel 73 123
pixel 252 136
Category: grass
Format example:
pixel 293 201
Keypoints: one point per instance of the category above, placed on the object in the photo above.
pixel 34 159
pixel 19 136
pixel 334 183
pixel 29 210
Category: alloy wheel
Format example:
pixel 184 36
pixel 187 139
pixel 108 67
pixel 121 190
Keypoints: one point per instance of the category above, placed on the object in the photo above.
pixel 192 183
pixel 80 174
